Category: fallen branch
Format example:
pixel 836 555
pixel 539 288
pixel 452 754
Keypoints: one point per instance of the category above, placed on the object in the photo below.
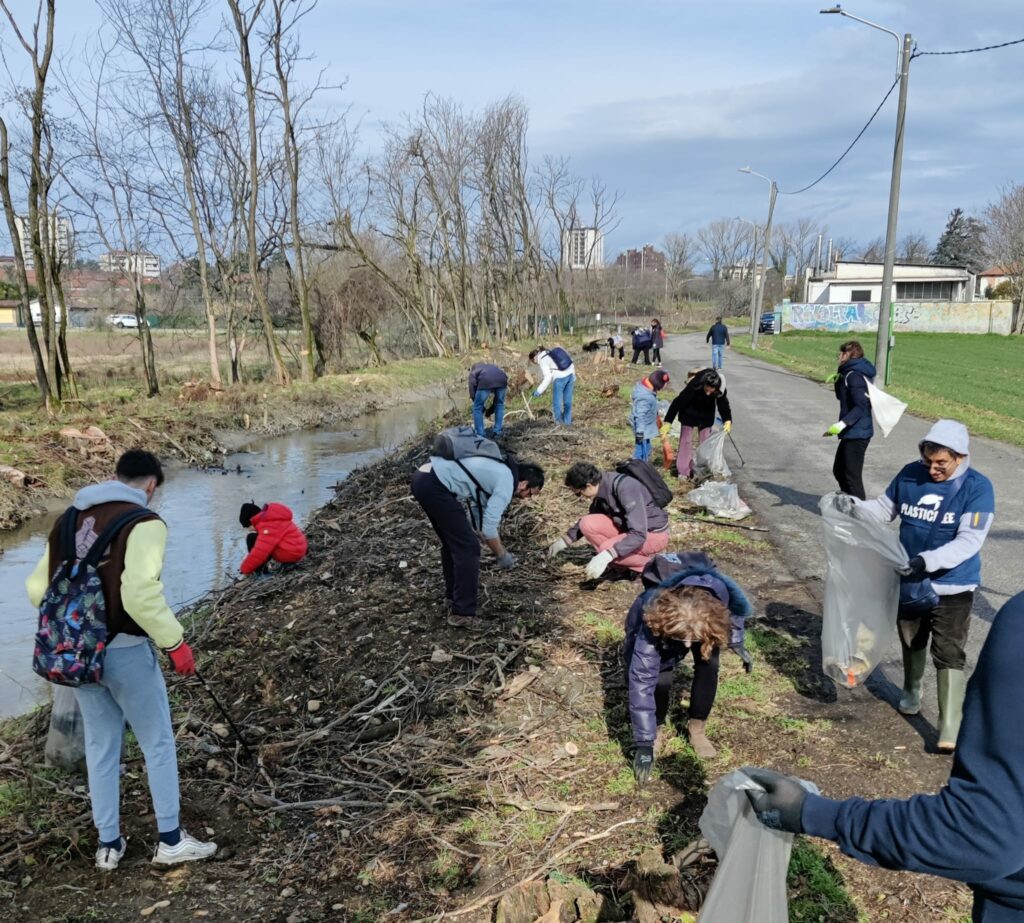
pixel 558 807
pixel 722 522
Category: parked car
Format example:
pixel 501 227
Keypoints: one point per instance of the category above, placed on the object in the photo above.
pixel 123 320
pixel 768 322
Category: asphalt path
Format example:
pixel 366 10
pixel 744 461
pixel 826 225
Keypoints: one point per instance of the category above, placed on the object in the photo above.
pixel 778 419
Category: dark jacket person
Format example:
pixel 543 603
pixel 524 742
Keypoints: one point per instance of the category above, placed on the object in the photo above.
pixel 854 427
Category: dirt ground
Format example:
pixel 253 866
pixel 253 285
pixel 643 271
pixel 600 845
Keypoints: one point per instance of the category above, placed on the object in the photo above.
pixel 402 770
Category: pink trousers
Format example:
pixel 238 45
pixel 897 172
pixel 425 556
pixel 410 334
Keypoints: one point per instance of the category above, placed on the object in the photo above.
pixel 684 460
pixel 602 534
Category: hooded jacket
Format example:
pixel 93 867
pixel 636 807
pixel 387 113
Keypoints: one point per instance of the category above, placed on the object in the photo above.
pixel 696 408
pixel 644 415
pixel 632 509
pixel 951 550
pixel 277 537
pixel 854 405
pixel 642 338
pixel 646 655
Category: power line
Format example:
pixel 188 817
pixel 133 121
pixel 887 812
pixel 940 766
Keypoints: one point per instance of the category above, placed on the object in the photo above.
pixel 921 54
pixel 850 148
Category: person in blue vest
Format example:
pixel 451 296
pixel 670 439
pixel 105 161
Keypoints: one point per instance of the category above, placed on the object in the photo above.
pixel 642 339
pixel 557 367
pixel 644 416
pixel 854 427
pixel 488 381
pixel 972 830
pixel 945 508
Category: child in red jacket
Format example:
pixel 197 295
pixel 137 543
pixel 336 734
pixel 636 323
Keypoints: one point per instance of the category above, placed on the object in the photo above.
pixel 272 536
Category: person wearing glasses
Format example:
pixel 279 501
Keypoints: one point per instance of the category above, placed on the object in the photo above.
pixel 854 426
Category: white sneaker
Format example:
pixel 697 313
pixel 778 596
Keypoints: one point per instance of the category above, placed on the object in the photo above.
pixel 187 849
pixel 107 858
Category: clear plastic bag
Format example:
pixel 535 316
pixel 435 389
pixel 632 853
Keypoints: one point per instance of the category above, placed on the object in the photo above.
pixel 862 592
pixel 676 429
pixel 709 462
pixel 65 741
pixel 720 499
pixel 750 883
pixel 886 410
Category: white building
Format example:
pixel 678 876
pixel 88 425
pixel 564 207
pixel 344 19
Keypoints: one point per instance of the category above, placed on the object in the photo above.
pixel 854 282
pixel 582 248
pixel 61 235
pixel 131 262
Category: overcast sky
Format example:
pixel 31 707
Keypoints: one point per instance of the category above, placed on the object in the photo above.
pixel 665 99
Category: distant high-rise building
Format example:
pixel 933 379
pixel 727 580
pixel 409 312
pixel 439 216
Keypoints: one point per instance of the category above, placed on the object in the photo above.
pixel 131 262
pixel 642 261
pixel 60 235
pixel 583 248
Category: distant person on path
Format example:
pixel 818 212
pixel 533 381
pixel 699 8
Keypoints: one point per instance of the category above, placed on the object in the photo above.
pixel 132 687
pixel 464 500
pixel 624 526
pixel 718 337
pixel 558 370
pixel 855 427
pixel 273 536
pixel 657 340
pixel 972 830
pixel 488 382
pixel 616 344
pixel 945 508
pixel 644 416
pixel 642 344
pixel 696 406
pixel 692 609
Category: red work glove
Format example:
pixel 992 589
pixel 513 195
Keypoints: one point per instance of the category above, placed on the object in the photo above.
pixel 182 659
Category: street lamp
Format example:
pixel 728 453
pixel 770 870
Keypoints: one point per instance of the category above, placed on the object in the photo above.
pixel 885 338
pixel 755 316
pixel 753 262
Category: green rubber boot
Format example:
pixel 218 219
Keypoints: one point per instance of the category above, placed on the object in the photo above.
pixel 952 686
pixel 914 663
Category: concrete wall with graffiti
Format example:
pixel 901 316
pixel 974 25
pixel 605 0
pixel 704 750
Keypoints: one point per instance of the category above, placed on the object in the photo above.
pixel 911 317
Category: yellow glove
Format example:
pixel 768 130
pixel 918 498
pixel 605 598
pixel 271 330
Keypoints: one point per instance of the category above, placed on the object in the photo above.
pixel 666 428
pixel 727 426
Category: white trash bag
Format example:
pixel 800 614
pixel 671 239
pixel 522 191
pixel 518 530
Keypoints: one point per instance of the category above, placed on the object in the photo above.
pixel 862 593
pixel 721 499
pixel 886 410
pixel 65 741
pixel 750 883
pixel 709 462
pixel 676 429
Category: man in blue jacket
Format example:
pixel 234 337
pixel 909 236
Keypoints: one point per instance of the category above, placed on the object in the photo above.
pixel 644 416
pixel 854 427
pixel 488 381
pixel 973 829
pixel 718 337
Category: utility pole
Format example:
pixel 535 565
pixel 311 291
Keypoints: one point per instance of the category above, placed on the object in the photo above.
pixel 755 319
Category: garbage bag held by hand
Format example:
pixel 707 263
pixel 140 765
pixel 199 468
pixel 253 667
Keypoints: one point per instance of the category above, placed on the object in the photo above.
pixel 709 462
pixel 886 410
pixel 862 592
pixel 750 884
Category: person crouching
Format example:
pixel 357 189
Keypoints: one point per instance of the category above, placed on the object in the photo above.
pixel 273 536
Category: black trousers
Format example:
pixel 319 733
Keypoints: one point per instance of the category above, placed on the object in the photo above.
pixel 460 547
pixel 947 625
pixel 611 352
pixel 848 467
pixel 703 689
pixel 647 355
pixel 657 354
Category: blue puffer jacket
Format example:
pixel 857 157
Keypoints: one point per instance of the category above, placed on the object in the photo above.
pixel 645 656
pixel 644 416
pixel 854 405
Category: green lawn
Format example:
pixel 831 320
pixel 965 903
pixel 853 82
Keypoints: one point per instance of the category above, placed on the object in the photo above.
pixel 978 379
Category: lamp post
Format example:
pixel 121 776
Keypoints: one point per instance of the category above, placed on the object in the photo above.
pixel 885 338
pixel 755 317
pixel 753 262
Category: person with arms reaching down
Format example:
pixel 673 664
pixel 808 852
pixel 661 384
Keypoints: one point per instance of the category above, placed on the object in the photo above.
pixel 272 536
pixel 557 367
pixel 855 426
pixel 642 339
pixel 696 406
pixel 131 688
pixel 488 381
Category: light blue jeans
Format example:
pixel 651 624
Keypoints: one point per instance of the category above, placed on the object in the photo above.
pixel 480 402
pixel 132 689
pixel 717 356
pixel 642 450
pixel 561 399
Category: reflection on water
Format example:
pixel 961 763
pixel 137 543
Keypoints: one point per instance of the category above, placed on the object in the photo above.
pixel 206 543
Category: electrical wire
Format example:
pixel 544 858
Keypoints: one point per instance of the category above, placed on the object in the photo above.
pixel 921 54
pixel 842 156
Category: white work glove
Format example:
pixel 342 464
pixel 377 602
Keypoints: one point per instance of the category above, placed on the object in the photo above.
pixel 507 561
pixel 599 564
pixel 557 547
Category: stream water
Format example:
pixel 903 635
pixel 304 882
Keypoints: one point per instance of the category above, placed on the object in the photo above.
pixel 205 542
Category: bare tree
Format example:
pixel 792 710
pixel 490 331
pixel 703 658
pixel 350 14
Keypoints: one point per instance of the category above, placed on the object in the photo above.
pixel 1004 243
pixel 680 258
pixel 723 244
pixel 913 248
pixel 873 251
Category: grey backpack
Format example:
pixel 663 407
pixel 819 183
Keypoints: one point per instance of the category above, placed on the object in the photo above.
pixel 459 442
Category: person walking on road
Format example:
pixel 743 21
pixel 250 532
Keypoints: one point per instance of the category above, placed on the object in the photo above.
pixel 657 340
pixel 488 382
pixel 464 499
pixel 945 509
pixel 696 406
pixel 624 525
pixel 972 830
pixel 644 417
pixel 696 610
pixel 642 340
pixel 557 367
pixel 131 688
pixel 854 427
pixel 718 337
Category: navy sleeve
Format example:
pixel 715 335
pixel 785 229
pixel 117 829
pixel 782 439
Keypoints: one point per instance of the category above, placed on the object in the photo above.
pixel 707 339
pixel 971 830
pixel 644 667
pixel 474 377
pixel 728 342
pixel 857 385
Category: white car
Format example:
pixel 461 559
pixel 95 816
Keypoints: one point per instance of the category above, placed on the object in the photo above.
pixel 123 320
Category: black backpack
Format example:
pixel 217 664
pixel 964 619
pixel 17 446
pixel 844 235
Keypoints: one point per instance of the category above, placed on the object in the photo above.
pixel 649 476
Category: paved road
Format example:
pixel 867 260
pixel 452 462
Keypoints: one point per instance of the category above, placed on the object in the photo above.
pixel 778 421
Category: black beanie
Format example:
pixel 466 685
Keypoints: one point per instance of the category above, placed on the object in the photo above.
pixel 248 511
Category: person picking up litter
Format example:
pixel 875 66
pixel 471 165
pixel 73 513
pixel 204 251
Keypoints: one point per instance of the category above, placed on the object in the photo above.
pixel 644 417
pixel 273 536
pixel 696 406
pixel 130 687
pixel 624 526
pixel 557 367
pixel 487 380
pixel 694 609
